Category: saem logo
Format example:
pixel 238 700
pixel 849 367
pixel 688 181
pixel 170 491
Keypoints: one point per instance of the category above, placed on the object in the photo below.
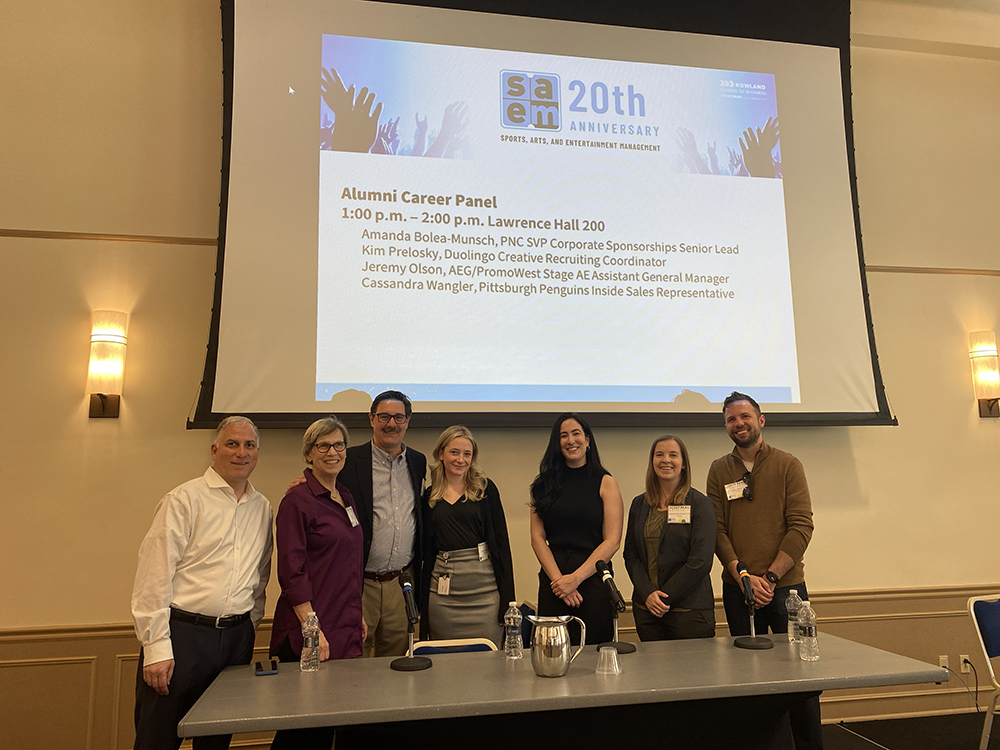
pixel 530 100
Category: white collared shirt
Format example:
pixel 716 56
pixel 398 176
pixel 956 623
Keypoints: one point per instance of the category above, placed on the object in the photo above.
pixel 208 552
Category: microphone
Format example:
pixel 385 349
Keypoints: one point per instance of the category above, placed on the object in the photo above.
pixel 406 583
pixel 409 663
pixel 741 568
pixel 609 581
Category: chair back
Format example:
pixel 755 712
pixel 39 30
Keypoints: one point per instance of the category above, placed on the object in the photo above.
pixel 453 646
pixel 985 612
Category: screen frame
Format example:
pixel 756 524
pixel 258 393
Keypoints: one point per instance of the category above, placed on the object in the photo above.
pixel 821 24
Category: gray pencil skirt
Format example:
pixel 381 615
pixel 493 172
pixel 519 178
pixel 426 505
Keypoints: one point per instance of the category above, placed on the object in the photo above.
pixel 471 607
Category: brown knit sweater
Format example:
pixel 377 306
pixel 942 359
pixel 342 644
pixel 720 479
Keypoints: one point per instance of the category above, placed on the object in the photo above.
pixel 778 518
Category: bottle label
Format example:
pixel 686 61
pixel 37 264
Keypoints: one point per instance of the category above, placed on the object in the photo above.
pixel 310 641
pixel 808 631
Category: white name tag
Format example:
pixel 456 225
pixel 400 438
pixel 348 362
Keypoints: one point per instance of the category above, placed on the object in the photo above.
pixel 444 585
pixel 351 517
pixel 734 490
pixel 484 552
pixel 678 514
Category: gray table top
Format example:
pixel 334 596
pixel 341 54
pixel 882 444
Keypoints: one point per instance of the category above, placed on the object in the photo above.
pixel 365 691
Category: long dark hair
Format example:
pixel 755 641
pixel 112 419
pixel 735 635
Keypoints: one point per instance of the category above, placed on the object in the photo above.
pixel 552 470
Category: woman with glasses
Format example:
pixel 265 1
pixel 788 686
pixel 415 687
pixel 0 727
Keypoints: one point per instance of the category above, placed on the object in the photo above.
pixel 468 574
pixel 320 568
pixel 576 520
pixel 669 547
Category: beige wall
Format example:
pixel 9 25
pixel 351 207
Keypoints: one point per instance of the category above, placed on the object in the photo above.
pixel 111 125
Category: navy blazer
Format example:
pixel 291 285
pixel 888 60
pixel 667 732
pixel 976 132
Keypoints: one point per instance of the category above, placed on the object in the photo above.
pixel 684 559
pixel 356 476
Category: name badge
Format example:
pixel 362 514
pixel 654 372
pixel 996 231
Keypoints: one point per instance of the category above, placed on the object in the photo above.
pixel 351 517
pixel 444 585
pixel 678 514
pixel 484 552
pixel 734 490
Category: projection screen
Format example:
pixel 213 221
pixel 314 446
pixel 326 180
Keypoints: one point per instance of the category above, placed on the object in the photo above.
pixel 508 217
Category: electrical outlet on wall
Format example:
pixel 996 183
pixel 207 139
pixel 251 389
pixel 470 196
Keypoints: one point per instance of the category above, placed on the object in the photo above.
pixel 943 661
pixel 963 659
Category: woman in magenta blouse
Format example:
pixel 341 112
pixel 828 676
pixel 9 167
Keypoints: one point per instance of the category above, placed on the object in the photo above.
pixel 320 564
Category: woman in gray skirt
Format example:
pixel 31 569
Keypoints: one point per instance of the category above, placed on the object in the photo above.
pixel 468 574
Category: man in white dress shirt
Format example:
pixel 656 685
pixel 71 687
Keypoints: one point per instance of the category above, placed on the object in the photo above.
pixel 199 587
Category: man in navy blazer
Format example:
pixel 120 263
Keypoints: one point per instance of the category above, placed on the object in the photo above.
pixel 386 480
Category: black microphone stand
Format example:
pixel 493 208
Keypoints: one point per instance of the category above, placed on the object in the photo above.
pixel 410 663
pixel 753 641
pixel 619 646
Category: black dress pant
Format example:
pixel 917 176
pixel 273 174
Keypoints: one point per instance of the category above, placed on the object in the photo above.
pixel 595 610
pixel 200 654
pixel 674 625
pixel 804 716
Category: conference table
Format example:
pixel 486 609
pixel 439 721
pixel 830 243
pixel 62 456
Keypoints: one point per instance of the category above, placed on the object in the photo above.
pixel 703 691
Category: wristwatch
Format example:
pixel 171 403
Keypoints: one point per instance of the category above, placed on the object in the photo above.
pixel 771 578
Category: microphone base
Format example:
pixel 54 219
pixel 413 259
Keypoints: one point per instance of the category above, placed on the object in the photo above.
pixel 753 642
pixel 410 663
pixel 620 646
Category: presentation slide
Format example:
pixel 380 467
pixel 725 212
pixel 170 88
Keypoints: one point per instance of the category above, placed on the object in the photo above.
pixel 506 215
pixel 561 204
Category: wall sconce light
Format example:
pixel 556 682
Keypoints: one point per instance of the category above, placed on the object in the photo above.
pixel 985 371
pixel 109 332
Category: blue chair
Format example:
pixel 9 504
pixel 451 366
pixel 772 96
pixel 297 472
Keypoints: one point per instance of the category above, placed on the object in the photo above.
pixel 453 646
pixel 985 613
pixel 526 626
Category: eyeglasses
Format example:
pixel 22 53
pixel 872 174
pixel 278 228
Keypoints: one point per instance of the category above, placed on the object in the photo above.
pixel 324 448
pixel 748 490
pixel 397 418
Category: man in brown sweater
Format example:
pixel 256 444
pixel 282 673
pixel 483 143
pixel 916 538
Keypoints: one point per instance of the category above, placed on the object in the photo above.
pixel 765 521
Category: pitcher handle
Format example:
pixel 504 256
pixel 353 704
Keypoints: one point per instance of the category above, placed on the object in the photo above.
pixel 583 639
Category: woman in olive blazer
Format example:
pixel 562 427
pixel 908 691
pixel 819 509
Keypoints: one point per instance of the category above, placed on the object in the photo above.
pixel 669 549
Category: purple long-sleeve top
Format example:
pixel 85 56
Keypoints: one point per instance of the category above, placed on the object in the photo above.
pixel 320 560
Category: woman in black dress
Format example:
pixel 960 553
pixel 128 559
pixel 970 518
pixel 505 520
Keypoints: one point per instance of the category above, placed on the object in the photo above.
pixel 576 520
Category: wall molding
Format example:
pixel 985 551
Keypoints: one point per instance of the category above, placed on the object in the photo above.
pixel 91 661
pixel 116 699
pixel 933 271
pixel 843 596
pixel 37 234
pixel 917 622
pixel 925 46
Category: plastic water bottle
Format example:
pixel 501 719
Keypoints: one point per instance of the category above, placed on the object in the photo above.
pixel 512 647
pixel 792 604
pixel 809 647
pixel 309 661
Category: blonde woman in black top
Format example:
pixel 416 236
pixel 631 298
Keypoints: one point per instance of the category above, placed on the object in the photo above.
pixel 468 574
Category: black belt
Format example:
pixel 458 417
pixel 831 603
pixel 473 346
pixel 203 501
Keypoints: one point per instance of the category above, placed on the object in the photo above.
pixel 229 621
pixel 382 577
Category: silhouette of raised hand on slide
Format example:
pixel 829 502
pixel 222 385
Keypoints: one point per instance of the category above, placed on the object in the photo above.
pixel 713 159
pixel 456 117
pixel 688 147
pixel 387 141
pixel 736 165
pixel 420 136
pixel 356 124
pixel 757 148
